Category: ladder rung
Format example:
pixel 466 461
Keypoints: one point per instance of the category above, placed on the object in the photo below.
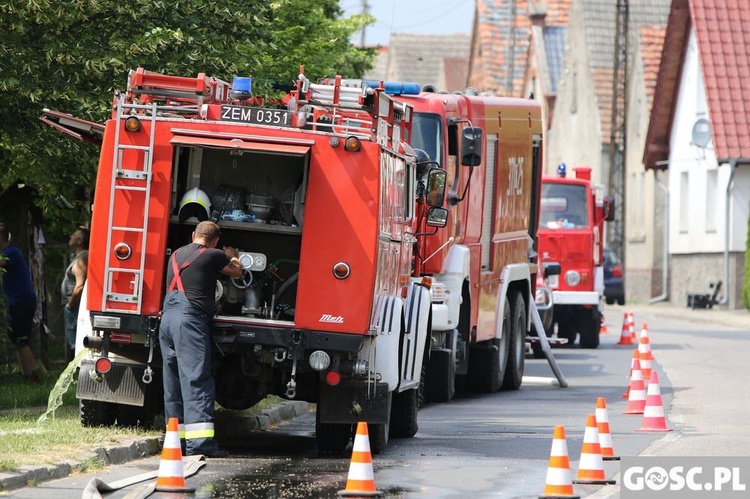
pixel 132 174
pixel 129 229
pixel 130 188
pixel 122 270
pixel 138 148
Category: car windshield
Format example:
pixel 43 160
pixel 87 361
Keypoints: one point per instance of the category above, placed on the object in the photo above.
pixel 564 206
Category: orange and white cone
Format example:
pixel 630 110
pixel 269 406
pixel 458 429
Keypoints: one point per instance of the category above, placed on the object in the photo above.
pixel 602 426
pixel 625 338
pixel 361 480
pixel 171 476
pixel 559 479
pixel 637 394
pixel 603 327
pixel 644 353
pixel 631 326
pixel 591 465
pixel 630 375
pixel 653 415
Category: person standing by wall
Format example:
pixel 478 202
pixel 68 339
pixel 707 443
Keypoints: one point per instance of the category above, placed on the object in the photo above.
pixel 20 302
pixel 72 287
pixel 189 303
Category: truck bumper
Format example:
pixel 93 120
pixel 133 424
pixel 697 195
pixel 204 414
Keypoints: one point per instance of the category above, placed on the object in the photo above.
pixel 123 384
pixel 576 297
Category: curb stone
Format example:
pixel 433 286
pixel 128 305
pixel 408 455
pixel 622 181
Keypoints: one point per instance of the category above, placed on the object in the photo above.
pixel 242 424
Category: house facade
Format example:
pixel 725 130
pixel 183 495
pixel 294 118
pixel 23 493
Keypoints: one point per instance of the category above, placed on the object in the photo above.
pixel 699 133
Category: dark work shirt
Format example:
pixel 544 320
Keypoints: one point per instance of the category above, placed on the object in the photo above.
pixel 199 278
pixel 17 279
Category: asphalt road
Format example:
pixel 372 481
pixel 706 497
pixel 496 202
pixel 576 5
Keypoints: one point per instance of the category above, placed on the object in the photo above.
pixel 498 445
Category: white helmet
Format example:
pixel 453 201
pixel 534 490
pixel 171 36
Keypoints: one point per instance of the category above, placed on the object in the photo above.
pixel 195 203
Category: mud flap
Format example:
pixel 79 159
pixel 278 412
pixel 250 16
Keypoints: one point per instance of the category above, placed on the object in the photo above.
pixel 350 402
pixel 123 384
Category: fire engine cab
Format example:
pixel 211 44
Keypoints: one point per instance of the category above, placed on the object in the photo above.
pixel 571 231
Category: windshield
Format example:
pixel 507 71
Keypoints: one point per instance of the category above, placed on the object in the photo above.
pixel 427 132
pixel 564 206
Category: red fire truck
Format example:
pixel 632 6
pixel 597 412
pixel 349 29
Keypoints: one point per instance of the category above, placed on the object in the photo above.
pixel 358 270
pixel 483 265
pixel 571 231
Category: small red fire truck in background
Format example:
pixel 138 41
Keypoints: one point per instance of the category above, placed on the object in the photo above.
pixel 571 233
pixel 363 269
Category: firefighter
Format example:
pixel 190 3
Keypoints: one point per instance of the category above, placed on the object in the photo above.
pixel 189 389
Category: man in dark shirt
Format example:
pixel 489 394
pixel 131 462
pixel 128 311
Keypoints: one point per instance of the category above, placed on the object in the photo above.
pixel 189 390
pixel 20 302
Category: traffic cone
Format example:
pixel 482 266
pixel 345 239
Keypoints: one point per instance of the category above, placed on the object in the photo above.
pixel 602 426
pixel 644 353
pixel 653 414
pixel 637 394
pixel 630 375
pixel 603 327
pixel 631 326
pixel 361 480
pixel 625 338
pixel 591 465
pixel 559 480
pixel 171 476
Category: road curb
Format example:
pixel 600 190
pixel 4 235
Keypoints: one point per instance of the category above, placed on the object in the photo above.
pixel 241 425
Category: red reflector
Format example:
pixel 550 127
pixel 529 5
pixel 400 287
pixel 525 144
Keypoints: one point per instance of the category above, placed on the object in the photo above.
pixel 617 271
pixel 333 378
pixel 103 365
pixel 121 337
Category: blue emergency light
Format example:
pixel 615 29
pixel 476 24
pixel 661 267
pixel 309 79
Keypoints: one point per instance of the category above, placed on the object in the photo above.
pixel 396 87
pixel 242 87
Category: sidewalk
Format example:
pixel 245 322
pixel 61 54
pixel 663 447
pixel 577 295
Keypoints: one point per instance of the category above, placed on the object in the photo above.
pixel 739 319
pixel 230 424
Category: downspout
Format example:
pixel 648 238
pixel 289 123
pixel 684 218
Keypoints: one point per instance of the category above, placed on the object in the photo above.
pixel 665 252
pixel 733 168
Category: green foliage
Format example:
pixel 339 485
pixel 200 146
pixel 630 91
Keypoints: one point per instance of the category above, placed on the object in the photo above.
pixel 70 56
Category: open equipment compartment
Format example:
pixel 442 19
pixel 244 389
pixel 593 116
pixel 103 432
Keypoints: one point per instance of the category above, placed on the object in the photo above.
pixel 257 197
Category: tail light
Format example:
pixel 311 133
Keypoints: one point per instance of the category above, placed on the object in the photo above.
pixel 103 365
pixel 617 271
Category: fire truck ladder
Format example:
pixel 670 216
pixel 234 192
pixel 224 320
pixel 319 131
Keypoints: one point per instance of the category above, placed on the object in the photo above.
pixel 129 179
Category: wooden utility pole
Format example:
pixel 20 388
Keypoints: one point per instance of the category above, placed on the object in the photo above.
pixel 365 10
pixel 618 139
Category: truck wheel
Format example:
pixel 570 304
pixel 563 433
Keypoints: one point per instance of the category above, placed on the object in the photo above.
pixel 404 414
pixel 517 347
pixel 441 376
pixel 94 413
pixel 589 325
pixel 332 438
pixel 378 432
pixel 566 328
pixel 487 363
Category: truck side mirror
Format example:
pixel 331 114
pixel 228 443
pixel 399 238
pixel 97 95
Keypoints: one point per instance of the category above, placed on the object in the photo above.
pixel 471 146
pixel 437 217
pixel 609 209
pixel 435 187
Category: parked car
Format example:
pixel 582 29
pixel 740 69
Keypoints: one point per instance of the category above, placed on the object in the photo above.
pixel 614 288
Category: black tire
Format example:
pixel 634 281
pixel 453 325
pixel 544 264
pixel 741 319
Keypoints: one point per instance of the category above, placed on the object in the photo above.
pixel 621 301
pixel 132 416
pixel 513 376
pixel 488 361
pixel 441 376
pixel 332 438
pixel 404 409
pixel 611 301
pixel 379 432
pixel 566 328
pixel 589 325
pixel 94 413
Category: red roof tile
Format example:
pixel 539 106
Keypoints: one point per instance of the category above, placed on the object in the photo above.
pixel 652 43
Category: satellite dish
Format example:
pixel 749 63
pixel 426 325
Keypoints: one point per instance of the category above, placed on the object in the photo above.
pixel 702 132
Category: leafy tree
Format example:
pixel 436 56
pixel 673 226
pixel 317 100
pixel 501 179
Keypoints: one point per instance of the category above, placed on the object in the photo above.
pixel 70 55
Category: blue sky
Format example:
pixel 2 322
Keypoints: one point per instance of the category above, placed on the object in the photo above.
pixel 412 16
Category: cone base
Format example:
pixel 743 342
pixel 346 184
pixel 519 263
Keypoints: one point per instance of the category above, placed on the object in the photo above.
pixel 610 458
pixel 653 429
pixel 560 497
pixel 354 493
pixel 630 342
pixel 595 482
pixel 174 489
pixel 633 412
